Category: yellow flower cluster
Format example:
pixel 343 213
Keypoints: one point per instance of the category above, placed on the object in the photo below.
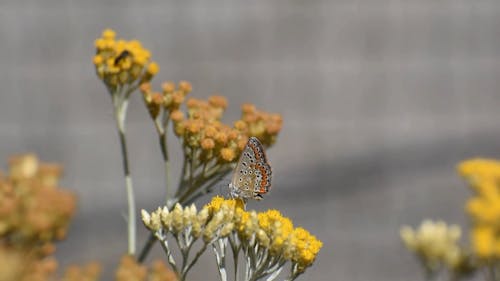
pixel 31 205
pixel 435 243
pixel 120 62
pixel 483 176
pixel 221 218
pixel 130 270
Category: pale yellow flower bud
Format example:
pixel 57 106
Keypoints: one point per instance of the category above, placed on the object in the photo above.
pixel 177 219
pixel 212 226
pixel 226 229
pixel 263 238
pixel 196 229
pixel 208 233
pixel 146 218
pixel 166 218
pixel 155 221
pixel 202 216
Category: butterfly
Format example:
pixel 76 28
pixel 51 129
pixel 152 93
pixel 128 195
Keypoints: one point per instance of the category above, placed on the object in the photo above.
pixel 252 176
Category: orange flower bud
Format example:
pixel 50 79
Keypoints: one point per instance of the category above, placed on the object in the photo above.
pixel 207 144
pixel 185 86
pixel 227 154
pixel 210 131
pixel 168 87
pixel 248 108
pixel 177 115
pixel 218 101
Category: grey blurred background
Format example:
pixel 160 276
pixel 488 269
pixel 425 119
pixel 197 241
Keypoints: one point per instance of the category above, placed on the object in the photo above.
pixel 381 99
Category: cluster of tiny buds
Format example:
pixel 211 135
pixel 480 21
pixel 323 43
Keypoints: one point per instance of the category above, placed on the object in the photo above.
pixel 169 99
pixel 200 126
pixel 224 217
pixel 202 130
pixel 263 125
pixel 121 62
pixel 189 222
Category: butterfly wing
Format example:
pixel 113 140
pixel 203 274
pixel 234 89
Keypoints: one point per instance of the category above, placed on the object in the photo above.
pixel 252 175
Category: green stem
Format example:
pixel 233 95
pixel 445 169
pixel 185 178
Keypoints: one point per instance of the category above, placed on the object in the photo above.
pixel 164 153
pixel 235 249
pixel 121 114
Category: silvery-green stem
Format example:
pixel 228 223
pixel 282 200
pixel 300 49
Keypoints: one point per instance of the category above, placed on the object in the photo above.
pixel 170 258
pixel 236 250
pixel 221 258
pixel 120 115
pixel 294 273
pixel 274 274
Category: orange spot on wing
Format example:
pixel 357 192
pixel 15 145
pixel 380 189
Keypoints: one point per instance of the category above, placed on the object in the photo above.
pixel 263 182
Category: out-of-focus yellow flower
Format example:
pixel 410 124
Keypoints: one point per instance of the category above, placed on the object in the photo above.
pixel 89 272
pixel 484 242
pixel 435 243
pixel 25 264
pixel 32 207
pixel 480 169
pixel 129 270
pixel 483 176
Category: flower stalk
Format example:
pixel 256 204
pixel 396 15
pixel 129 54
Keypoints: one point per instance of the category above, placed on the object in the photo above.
pixel 121 115
pixel 123 66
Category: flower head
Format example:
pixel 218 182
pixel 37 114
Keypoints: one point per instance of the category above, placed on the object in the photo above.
pixel 263 125
pixel 119 62
pixel 435 243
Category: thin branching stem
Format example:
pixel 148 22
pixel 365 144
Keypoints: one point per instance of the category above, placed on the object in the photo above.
pixel 170 258
pixel 220 256
pixel 195 259
pixel 236 250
